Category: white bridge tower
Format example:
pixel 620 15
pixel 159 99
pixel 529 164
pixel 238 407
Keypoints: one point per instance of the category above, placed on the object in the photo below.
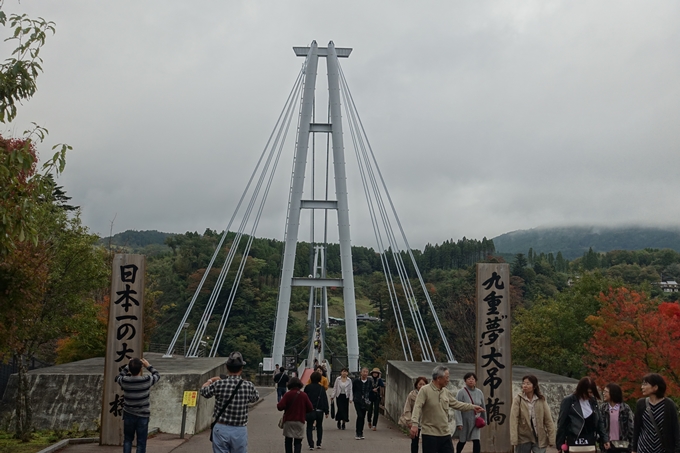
pixel 297 203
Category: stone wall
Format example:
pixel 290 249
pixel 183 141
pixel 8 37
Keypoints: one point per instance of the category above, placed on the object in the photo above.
pixel 401 376
pixel 69 394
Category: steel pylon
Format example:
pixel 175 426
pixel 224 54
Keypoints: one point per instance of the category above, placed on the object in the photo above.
pixel 297 203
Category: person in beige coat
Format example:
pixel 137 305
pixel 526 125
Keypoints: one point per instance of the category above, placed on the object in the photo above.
pixel 532 429
pixel 405 419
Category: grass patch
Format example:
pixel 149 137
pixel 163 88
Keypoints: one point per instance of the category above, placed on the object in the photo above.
pixel 336 308
pixel 39 440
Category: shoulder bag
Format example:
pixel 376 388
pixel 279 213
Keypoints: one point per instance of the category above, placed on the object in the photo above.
pixel 224 408
pixel 479 420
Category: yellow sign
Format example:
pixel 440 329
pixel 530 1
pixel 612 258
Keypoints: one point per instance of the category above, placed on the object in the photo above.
pixel 189 399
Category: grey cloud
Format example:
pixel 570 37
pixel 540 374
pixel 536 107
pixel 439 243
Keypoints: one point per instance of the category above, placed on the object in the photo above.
pixel 486 117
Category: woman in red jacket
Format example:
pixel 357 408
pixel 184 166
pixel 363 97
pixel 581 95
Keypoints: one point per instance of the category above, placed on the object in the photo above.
pixel 295 405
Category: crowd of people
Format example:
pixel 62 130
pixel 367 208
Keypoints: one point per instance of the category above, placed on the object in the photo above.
pixel 311 406
pixel 587 423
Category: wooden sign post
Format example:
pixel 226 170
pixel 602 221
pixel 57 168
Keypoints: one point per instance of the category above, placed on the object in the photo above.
pixel 494 361
pixel 124 339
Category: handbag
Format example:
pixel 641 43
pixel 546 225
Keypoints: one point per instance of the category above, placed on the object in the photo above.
pixel 619 446
pixel 479 420
pixel 333 410
pixel 224 408
pixel 281 420
pixel 581 445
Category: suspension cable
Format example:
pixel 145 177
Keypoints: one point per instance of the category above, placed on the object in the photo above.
pixel 171 347
pixel 386 270
pixel 403 234
pixel 280 140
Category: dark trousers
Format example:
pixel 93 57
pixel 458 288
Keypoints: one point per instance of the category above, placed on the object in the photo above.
pixel 476 446
pixel 289 445
pixel 280 391
pixel 437 444
pixel 361 415
pixel 414 443
pixel 373 412
pixel 316 416
pixel 135 425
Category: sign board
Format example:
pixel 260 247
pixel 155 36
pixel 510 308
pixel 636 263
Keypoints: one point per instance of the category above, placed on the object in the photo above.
pixel 189 399
pixel 268 364
pixel 124 339
pixel 494 361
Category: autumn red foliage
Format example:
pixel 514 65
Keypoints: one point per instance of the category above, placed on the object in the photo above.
pixel 635 335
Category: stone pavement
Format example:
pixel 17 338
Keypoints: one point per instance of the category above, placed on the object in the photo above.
pixel 265 437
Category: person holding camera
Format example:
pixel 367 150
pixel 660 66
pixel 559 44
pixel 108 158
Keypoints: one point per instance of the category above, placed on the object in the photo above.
pixel 136 412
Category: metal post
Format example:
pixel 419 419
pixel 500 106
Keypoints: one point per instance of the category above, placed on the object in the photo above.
pixel 186 327
pixel 343 209
pixel 184 421
pixel 297 184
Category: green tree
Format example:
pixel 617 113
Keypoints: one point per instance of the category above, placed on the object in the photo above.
pixel 48 262
pixel 551 334
pixel 46 288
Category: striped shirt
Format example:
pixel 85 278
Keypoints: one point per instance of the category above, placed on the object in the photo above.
pixel 136 390
pixel 649 441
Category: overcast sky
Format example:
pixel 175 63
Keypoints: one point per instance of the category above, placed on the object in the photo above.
pixel 486 117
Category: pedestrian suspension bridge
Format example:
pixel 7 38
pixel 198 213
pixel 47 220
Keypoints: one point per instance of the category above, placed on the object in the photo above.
pixel 310 195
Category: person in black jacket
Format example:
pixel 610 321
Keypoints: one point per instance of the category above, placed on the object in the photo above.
pixel 281 380
pixel 317 395
pixel 664 418
pixel 580 422
pixel 361 391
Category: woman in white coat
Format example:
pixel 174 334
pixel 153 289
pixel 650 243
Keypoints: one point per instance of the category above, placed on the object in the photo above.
pixel 342 394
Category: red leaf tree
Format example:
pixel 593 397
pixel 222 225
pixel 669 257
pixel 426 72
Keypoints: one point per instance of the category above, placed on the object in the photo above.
pixel 634 335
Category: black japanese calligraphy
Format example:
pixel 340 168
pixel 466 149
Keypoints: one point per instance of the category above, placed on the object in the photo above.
pixel 493 330
pixel 492 380
pixel 128 273
pixel 492 356
pixel 117 406
pixel 125 352
pixel 493 411
pixel 494 280
pixel 493 300
pixel 126 298
pixel 125 332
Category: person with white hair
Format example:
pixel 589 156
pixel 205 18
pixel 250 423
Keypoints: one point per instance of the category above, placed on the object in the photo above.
pixel 431 413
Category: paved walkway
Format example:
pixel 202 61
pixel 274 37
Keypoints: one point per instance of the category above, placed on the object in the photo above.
pixel 265 437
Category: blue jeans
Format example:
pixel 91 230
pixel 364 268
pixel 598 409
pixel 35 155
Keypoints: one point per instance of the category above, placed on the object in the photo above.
pixel 280 391
pixel 230 439
pixel 132 425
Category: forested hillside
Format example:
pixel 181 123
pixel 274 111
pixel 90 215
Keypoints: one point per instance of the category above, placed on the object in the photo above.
pixel 574 241
pixel 559 305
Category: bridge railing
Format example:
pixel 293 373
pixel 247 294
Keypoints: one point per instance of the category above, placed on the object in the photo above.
pixel 178 350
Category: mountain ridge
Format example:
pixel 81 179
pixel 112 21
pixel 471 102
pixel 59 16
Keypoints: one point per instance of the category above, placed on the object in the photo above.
pixel 574 241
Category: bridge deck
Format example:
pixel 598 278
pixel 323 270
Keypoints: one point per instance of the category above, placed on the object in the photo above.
pixel 265 437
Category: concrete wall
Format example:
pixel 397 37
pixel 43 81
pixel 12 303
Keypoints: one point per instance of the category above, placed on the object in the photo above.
pixel 72 393
pixel 401 376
